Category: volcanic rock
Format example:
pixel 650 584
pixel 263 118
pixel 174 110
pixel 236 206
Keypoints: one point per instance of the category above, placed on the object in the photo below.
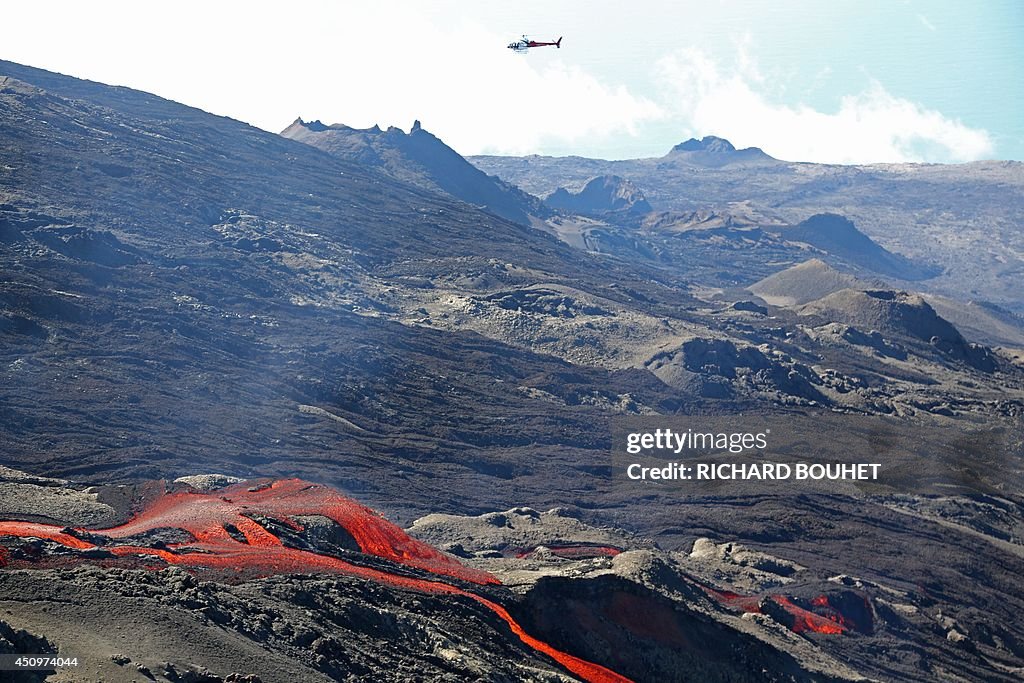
pixel 803 283
pixel 604 196
pixel 838 235
pixel 422 159
pixel 900 314
pixel 716 152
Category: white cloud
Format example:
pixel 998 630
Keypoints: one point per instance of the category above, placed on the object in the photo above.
pixel 868 127
pixel 480 97
pixel 459 79
pixel 557 103
pixel 393 61
pixel 388 62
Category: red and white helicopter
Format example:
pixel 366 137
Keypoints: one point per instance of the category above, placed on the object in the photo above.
pixel 525 44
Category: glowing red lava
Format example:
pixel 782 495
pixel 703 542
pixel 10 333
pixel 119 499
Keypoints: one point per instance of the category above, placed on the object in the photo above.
pixel 800 620
pixel 208 516
pixel 743 603
pixel 805 620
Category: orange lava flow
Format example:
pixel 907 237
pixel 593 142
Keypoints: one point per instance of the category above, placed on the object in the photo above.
pixel 743 603
pixel 802 620
pixel 46 531
pixel 805 620
pixel 588 671
pixel 207 517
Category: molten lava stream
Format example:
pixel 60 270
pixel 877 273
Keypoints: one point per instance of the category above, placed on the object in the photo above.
pixel 803 620
pixel 744 603
pixel 207 517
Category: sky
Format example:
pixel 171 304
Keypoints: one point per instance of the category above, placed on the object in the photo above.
pixel 835 81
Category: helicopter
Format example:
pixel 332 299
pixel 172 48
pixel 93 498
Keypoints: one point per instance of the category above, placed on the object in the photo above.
pixel 525 44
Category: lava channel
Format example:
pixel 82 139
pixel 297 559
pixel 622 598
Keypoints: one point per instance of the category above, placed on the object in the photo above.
pixel 826 617
pixel 208 516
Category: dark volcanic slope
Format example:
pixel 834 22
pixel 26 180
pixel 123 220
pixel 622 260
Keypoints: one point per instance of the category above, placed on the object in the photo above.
pixel 839 236
pixel 179 286
pixel 602 196
pixel 420 159
pixel 164 174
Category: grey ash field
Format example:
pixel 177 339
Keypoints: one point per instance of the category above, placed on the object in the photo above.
pixel 183 294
